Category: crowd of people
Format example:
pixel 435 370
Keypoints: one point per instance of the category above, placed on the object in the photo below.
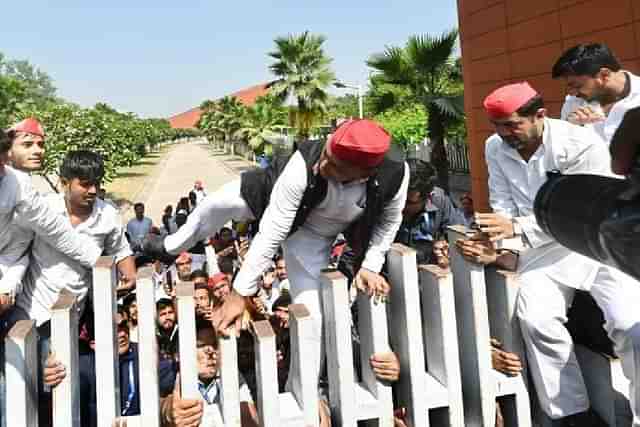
pixel 341 204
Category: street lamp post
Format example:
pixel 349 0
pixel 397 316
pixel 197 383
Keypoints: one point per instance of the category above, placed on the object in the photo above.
pixel 358 88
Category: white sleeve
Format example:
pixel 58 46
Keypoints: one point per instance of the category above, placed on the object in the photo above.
pixel 500 197
pixel 275 224
pixel 12 275
pixel 116 242
pixel 584 153
pixel 387 227
pixel 33 212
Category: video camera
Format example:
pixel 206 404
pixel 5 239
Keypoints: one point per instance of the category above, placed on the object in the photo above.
pixel 598 216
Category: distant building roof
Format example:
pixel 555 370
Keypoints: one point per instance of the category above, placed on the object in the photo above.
pixel 247 96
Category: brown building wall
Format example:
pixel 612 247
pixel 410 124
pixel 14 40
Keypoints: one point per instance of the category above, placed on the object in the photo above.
pixel 505 41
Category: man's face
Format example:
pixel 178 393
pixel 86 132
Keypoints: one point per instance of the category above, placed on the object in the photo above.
pixel 27 152
pixel 221 290
pixel 414 204
pixel 518 132
pixel 167 318
pixel 281 270
pixel 207 354
pixel 80 193
pixel 282 314
pixel 467 205
pixel 330 167
pixel 123 339
pixel 139 212
pixel 441 253
pixel 201 299
pixel 133 311
pixel 184 269
pixel 587 87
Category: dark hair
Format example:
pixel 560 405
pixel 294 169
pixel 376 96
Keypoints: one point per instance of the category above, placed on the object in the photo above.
pixel 83 164
pixel 204 286
pixel 203 325
pixel 422 176
pixel 585 60
pixel 199 273
pixel 163 303
pixel 5 142
pixel 531 107
pixel 284 300
pixel 138 205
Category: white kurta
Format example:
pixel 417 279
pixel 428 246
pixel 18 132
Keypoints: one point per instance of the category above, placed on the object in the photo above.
pixel 51 271
pixel 608 126
pixel 549 273
pixel 23 212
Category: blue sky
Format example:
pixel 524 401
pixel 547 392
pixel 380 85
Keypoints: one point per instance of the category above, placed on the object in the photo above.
pixel 157 58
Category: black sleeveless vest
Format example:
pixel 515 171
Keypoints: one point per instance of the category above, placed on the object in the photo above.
pixel 256 186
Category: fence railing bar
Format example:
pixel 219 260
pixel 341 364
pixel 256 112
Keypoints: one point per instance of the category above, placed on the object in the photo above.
pixel 147 348
pixel 303 386
pixel 230 401
pixel 21 372
pixel 187 341
pixel 266 374
pixel 108 376
pixel 64 342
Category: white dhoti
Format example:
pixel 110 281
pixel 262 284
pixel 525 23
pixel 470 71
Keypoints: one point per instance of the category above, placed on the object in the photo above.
pixel 542 309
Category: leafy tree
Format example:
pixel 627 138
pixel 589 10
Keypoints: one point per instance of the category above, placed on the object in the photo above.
pixel 303 71
pixel 405 124
pixel 12 94
pixel 260 123
pixel 38 85
pixel 222 118
pixel 427 68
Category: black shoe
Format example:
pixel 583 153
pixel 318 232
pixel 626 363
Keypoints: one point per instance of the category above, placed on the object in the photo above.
pixel 588 418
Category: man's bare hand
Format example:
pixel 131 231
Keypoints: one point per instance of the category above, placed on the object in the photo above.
pixel 585 115
pixel 54 372
pixel 496 226
pixel 477 251
pixel 185 412
pixel 372 284
pixel 386 366
pixel 503 361
pixel 229 313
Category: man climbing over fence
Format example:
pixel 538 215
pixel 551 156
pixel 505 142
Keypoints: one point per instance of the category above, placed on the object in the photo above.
pixel 349 185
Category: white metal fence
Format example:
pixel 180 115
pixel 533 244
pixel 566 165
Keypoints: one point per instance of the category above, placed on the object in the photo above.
pixel 438 322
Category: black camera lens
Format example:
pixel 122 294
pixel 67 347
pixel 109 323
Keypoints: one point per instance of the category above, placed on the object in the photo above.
pixel 571 209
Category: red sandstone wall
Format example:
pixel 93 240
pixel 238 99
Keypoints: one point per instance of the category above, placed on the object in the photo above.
pixel 506 41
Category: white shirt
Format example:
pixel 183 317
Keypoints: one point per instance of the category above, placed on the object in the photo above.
pixel 343 204
pixel 200 194
pixel 51 271
pixel 608 126
pixel 513 184
pixel 138 230
pixel 24 212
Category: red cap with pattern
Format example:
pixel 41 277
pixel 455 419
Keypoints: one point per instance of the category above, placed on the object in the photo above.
pixel 29 125
pixel 506 100
pixel 361 143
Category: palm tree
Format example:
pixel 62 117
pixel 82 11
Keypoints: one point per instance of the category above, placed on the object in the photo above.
pixel 260 123
pixel 303 71
pixel 426 65
pixel 223 118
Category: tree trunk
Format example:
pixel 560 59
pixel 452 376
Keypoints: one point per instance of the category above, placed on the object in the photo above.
pixel 439 159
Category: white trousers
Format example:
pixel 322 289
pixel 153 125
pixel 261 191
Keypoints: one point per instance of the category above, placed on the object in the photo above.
pixel 542 308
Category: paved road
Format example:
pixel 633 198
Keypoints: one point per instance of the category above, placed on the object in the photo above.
pixel 175 175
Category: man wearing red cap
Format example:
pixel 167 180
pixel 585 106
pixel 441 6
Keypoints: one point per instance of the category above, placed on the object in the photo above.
pixel 527 146
pixel 27 145
pixel 349 185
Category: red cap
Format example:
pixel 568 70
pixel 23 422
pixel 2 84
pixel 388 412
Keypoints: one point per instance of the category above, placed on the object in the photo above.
pixel 29 125
pixel 217 278
pixel 360 142
pixel 184 257
pixel 198 184
pixel 506 100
